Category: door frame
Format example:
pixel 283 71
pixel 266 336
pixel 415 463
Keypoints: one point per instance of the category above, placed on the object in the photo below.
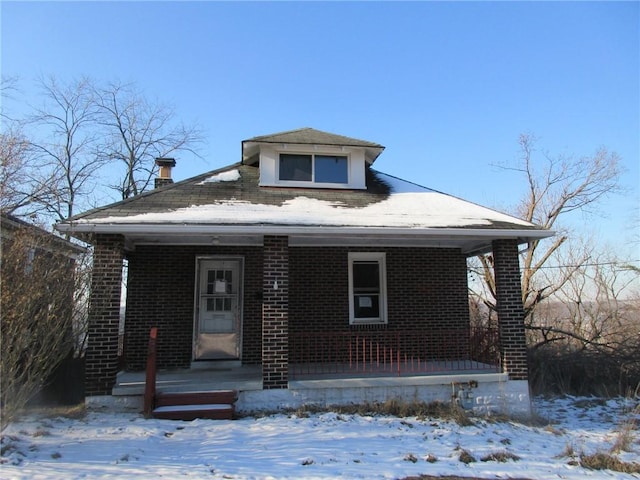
pixel 196 300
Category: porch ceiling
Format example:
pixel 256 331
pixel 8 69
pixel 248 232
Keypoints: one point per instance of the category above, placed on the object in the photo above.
pixel 471 242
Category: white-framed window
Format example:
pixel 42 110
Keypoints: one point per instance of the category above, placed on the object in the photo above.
pixel 314 168
pixel 367 288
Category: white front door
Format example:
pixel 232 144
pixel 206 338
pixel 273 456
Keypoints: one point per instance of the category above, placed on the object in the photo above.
pixel 218 309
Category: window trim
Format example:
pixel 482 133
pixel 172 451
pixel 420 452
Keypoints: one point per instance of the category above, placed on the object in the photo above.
pixel 313 182
pixel 381 258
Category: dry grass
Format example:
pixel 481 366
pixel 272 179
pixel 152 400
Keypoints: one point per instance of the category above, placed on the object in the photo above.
pixel 606 461
pixel 74 412
pixel 466 457
pixel 627 432
pixel 450 477
pixel 501 457
pixel 410 457
pixel 568 452
pixel 394 408
pixel 420 410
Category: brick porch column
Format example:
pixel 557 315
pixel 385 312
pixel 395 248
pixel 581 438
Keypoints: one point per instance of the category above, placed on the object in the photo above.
pixel 101 356
pixel 513 349
pixel 275 313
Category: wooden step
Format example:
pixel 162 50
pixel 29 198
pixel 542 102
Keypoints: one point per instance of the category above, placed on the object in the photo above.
pixel 218 405
pixel 196 398
pixel 191 412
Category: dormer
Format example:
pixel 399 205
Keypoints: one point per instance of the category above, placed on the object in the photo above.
pixel 310 158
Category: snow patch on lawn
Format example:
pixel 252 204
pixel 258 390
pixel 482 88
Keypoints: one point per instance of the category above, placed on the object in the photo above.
pixel 317 446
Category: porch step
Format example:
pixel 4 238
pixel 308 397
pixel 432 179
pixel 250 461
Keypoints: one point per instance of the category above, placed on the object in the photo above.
pixel 218 405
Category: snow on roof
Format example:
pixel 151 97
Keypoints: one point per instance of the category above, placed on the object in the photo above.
pixel 408 206
pixel 228 176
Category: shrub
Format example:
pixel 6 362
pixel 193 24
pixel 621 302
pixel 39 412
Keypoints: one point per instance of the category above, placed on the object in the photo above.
pixel 37 301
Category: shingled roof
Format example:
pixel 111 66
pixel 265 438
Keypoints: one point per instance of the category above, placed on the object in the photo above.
pixel 308 136
pixel 230 201
pixel 311 136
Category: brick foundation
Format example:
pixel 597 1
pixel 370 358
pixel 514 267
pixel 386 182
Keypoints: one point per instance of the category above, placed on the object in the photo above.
pixel 510 310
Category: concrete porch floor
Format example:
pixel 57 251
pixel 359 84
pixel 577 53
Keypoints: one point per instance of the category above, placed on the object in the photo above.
pixel 207 378
pixel 232 376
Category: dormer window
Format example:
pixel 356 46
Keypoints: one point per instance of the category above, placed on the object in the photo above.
pixel 308 158
pixel 313 168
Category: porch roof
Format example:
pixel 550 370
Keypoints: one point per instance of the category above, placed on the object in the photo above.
pixel 228 206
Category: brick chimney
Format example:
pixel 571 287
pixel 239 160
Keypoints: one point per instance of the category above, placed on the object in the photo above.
pixel 164 175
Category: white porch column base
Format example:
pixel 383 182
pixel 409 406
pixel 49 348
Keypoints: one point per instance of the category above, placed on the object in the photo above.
pixel 115 403
pixel 494 396
pixel 510 398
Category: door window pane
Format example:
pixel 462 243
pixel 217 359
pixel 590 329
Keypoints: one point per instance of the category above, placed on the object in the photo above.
pixel 219 282
pixel 219 304
pixel 295 167
pixel 211 282
pixel 331 169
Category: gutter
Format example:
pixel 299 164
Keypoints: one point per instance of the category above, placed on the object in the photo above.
pixel 186 228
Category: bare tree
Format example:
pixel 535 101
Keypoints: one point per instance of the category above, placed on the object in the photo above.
pixel 16 163
pixel 586 340
pixel 8 87
pixel 556 186
pixel 137 133
pixel 66 154
pixel 596 308
pixel 16 157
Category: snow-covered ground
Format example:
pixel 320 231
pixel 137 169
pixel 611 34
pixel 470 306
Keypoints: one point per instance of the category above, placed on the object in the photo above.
pixel 323 445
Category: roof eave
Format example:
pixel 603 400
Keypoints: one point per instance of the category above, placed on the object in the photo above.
pixel 250 149
pixel 269 229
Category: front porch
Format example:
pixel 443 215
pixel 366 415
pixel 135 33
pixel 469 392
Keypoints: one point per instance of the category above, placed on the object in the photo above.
pixel 334 368
pixel 329 359
pixel 484 388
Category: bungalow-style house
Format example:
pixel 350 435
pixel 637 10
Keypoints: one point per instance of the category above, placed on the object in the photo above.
pixel 309 276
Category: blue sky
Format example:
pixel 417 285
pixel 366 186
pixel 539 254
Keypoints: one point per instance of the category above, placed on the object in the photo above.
pixel 447 87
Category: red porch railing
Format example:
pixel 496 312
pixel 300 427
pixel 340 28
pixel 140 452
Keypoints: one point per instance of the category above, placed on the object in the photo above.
pixel 386 353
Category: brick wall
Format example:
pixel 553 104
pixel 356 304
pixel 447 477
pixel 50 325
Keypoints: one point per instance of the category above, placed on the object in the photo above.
pixel 427 291
pixel 101 357
pixel 160 292
pixel 275 313
pixel 510 309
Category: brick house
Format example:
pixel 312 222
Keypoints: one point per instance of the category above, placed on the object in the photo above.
pixel 333 281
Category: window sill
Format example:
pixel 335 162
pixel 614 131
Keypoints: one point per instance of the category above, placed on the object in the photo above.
pixel 333 186
pixel 368 326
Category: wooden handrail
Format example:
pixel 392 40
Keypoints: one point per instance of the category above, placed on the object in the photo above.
pixel 150 378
